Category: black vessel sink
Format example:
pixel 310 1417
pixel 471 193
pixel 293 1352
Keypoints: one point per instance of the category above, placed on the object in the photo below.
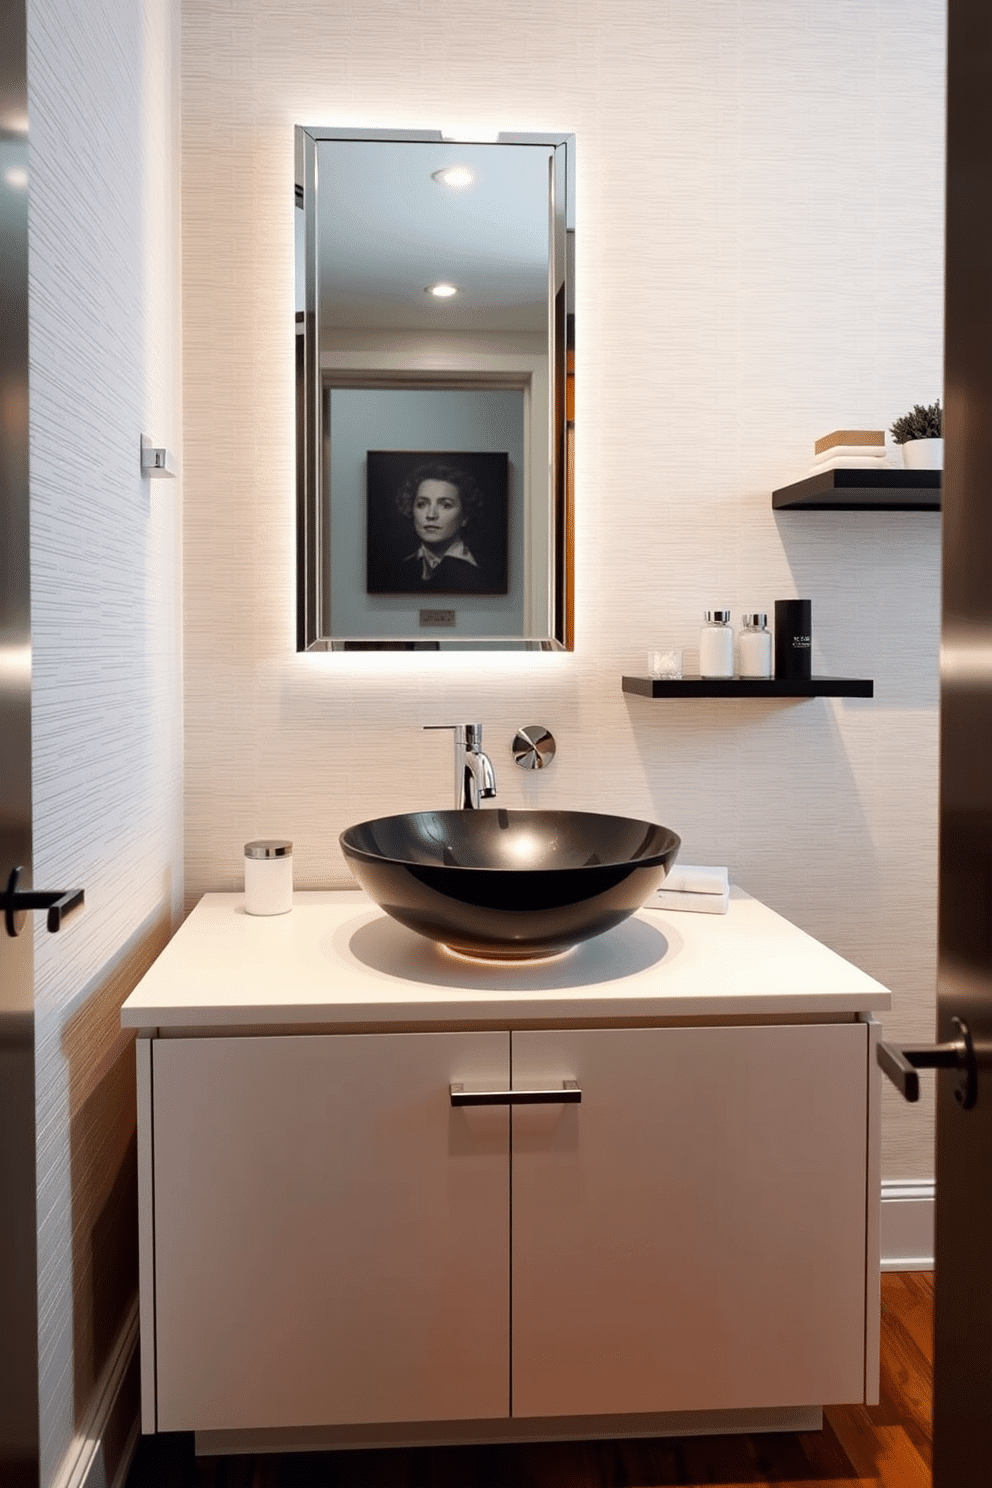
pixel 509 885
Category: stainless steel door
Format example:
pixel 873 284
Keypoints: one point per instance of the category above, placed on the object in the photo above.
pixel 963 1277
pixel 963 1249
pixel 18 1248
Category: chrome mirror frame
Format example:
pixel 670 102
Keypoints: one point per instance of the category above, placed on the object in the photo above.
pixel 554 630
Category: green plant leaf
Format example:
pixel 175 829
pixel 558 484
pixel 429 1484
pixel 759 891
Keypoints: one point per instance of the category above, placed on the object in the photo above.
pixel 923 422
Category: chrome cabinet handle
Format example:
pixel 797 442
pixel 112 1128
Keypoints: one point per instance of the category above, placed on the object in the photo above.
pixel 568 1094
pixel 901 1065
pixel 58 902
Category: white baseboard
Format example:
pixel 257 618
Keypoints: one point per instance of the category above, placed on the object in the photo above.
pixel 83 1465
pixel 907 1225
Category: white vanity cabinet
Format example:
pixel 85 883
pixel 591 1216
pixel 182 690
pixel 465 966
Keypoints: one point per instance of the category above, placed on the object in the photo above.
pixel 331 1240
pixel 692 1236
pixel 329 1243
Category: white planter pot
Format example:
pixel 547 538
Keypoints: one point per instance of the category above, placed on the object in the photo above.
pixel 923 454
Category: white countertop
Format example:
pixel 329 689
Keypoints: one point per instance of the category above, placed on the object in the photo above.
pixel 336 958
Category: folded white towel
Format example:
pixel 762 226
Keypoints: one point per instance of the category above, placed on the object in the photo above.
pixel 695 903
pixel 846 451
pixel 875 460
pixel 684 878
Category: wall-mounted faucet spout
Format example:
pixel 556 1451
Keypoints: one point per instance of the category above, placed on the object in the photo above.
pixel 475 779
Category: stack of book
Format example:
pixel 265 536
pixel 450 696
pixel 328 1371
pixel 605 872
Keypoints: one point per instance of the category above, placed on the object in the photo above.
pixel 850 449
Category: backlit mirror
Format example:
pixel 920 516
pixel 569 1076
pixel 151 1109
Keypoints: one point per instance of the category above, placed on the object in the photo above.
pixel 435 430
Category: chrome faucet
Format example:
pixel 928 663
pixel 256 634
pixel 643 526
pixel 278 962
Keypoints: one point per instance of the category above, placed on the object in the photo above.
pixel 475 780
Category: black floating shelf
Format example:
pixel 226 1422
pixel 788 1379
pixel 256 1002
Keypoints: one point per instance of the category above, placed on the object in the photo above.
pixel 742 687
pixel 862 490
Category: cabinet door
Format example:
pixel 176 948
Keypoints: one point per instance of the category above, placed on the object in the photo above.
pixel 692 1235
pixel 331 1237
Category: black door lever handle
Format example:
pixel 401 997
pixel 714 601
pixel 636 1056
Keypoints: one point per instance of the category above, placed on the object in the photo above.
pixel 901 1065
pixel 58 903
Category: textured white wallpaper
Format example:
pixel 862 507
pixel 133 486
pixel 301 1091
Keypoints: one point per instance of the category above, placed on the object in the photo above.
pixel 759 261
pixel 106 618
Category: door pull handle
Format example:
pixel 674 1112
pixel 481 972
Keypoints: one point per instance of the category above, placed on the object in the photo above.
pixel 58 902
pixel 901 1065
pixel 567 1093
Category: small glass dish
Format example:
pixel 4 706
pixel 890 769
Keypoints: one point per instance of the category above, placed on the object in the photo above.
pixel 665 665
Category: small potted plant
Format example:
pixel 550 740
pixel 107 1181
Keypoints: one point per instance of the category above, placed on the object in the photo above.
pixel 920 433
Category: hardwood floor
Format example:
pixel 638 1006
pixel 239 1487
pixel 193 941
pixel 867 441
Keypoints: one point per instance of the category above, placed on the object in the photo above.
pixel 883 1446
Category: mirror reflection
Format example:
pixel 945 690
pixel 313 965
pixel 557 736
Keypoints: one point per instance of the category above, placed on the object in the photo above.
pixel 434 433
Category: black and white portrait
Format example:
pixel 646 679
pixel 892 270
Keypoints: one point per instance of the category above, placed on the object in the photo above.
pixel 437 522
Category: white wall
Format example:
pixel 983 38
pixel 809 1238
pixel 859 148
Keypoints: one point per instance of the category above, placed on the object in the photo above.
pixel 106 619
pixel 758 262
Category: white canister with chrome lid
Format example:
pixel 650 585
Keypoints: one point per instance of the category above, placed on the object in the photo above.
pixel 268 877
pixel 716 645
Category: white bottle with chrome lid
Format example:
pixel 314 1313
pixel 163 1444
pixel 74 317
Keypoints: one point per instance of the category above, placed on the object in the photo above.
pixel 754 647
pixel 716 645
pixel 268 877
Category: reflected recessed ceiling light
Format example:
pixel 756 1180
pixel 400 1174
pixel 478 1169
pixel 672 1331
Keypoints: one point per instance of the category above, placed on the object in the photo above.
pixel 454 175
pixel 16 177
pixel 441 291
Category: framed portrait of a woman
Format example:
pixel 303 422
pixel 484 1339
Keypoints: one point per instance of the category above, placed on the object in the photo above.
pixel 437 522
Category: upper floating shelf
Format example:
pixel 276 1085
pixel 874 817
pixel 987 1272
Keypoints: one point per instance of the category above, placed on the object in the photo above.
pixel 862 490
pixel 745 687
